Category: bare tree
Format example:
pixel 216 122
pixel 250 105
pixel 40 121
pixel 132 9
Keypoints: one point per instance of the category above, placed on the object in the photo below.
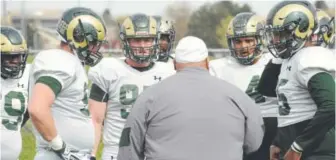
pixel 107 17
pixel 209 21
pixel 179 12
pixel 321 5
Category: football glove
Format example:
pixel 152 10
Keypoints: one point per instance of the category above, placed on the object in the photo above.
pixel 92 158
pixel 67 153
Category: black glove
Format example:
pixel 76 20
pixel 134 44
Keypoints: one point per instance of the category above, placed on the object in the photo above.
pixel 92 158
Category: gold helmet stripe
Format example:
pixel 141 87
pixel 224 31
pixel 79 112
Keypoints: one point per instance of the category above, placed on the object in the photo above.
pixel 130 30
pixel 229 31
pixel 152 26
pixel 251 26
pixel 8 48
pixel 86 19
pixel 129 27
pixel 321 14
pixel 281 15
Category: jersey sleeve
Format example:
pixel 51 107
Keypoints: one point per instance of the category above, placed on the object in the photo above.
pixel 313 61
pixel 57 70
pixel 102 76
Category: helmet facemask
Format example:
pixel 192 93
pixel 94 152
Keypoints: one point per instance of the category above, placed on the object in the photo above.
pixel 89 53
pixel 140 37
pixel 282 42
pixel 139 53
pixel 246 55
pixel 245 37
pixel 13 53
pixel 316 39
pixel 166 45
pixel 13 65
pixel 323 34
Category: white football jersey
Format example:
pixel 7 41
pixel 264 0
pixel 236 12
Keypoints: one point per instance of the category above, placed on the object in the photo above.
pixel 123 85
pixel 246 78
pixel 70 108
pixel 170 62
pixel 14 101
pixel 296 104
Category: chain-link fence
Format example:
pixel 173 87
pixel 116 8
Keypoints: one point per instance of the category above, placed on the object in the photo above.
pixel 213 52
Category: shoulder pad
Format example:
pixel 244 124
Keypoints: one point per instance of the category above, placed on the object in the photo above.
pixel 216 65
pixel 316 57
pixel 105 70
pixel 55 60
pixel 164 67
pixel 56 63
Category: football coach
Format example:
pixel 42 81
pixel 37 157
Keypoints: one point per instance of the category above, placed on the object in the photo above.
pixel 191 115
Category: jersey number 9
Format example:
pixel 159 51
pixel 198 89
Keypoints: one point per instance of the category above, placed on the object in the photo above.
pixel 127 96
pixel 15 105
pixel 284 108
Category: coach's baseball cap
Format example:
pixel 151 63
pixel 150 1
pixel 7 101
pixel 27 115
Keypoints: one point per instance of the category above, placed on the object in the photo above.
pixel 190 49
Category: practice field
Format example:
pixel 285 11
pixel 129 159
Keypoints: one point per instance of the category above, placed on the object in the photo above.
pixel 28 146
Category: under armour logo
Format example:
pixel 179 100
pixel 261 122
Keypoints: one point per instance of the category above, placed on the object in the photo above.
pixel 289 68
pixel 20 85
pixel 159 78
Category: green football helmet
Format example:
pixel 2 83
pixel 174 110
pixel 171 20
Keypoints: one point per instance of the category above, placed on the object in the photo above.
pixel 84 31
pixel 325 31
pixel 136 27
pixel 167 32
pixel 14 53
pixel 244 25
pixel 288 26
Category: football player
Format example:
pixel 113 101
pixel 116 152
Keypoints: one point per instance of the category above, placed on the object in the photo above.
pixel 116 83
pixel 59 88
pixel 167 39
pixel 305 85
pixel 245 37
pixel 14 91
pixel 324 34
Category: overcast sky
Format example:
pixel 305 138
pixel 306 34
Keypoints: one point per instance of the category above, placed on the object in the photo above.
pixel 128 6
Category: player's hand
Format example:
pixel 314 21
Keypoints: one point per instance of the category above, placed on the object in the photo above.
pixel 274 152
pixel 292 155
pixel 67 153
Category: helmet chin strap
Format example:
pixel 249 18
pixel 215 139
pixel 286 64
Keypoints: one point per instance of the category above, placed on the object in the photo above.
pixel 292 52
pixel 75 52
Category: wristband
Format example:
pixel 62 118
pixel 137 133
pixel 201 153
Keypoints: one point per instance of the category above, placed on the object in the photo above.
pixel 295 147
pixel 56 143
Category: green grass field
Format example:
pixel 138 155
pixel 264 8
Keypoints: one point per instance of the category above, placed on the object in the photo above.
pixel 28 139
pixel 28 146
